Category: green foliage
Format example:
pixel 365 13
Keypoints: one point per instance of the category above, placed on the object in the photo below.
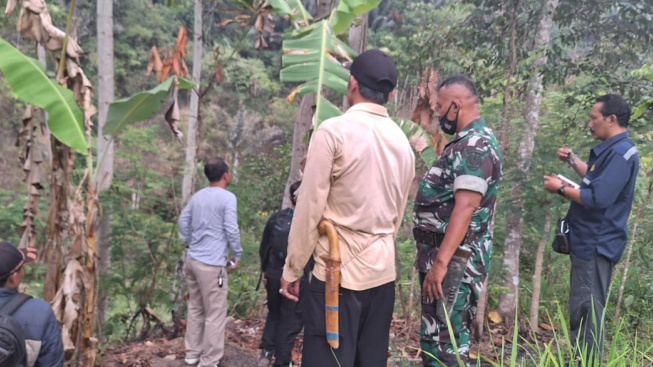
pixel 28 81
pixel 260 186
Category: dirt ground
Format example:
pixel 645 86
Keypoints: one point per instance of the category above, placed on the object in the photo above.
pixel 241 349
pixel 243 338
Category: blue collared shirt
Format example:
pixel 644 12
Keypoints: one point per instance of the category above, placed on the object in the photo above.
pixel 209 226
pixel 600 224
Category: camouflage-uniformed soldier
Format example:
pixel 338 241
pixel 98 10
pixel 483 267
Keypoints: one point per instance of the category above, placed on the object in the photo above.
pixel 453 210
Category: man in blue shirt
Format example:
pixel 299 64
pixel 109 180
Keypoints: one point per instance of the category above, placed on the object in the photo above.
pixel 598 218
pixel 40 327
pixel 209 227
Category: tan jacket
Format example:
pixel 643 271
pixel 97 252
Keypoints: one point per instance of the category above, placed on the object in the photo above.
pixel 358 173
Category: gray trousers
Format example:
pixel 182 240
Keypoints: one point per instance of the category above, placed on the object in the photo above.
pixel 590 282
pixel 207 312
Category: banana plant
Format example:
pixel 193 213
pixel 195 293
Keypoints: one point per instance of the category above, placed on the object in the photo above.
pixel 29 82
pixel 314 59
pixel 313 56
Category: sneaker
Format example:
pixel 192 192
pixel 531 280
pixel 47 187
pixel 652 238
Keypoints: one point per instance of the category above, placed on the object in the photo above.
pixel 191 361
pixel 265 359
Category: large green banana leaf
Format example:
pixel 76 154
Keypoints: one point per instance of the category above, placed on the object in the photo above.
pixel 348 10
pixel 293 9
pixel 140 106
pixel 313 58
pixel 27 79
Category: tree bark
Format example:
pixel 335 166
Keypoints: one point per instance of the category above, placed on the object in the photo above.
pixel 302 125
pixel 505 123
pixel 105 151
pixel 515 220
pixel 537 274
pixel 358 42
pixel 631 244
pixel 188 185
pixel 63 160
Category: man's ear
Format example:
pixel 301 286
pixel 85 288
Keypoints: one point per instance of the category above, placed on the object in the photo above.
pixel 391 94
pixel 353 83
pixel 13 279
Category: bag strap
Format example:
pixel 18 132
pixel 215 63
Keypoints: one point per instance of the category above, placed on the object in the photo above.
pixel 14 303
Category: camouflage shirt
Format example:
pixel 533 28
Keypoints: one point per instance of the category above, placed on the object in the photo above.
pixel 471 161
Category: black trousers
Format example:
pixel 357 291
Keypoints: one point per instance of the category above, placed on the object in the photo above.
pixel 283 323
pixel 364 326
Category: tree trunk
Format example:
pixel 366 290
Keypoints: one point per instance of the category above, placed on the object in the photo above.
pixel 631 244
pixel 358 42
pixel 515 220
pixel 537 274
pixel 302 125
pixel 63 160
pixel 105 151
pixel 188 185
pixel 505 123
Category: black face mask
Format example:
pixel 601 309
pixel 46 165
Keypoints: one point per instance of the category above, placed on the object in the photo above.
pixel 449 126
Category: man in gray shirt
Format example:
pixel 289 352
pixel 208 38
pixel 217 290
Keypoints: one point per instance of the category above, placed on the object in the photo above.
pixel 209 227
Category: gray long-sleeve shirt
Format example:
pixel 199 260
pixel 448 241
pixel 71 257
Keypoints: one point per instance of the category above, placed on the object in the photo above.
pixel 209 226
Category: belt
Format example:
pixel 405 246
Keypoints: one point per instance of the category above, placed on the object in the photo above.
pixel 433 239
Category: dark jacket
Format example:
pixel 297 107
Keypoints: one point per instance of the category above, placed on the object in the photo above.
pixel 42 331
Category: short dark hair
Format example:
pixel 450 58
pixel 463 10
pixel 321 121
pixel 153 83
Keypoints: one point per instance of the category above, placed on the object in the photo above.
pixel 375 96
pixel 460 79
pixel 215 168
pixel 293 191
pixel 614 104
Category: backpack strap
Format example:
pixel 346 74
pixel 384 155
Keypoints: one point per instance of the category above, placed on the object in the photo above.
pixel 14 303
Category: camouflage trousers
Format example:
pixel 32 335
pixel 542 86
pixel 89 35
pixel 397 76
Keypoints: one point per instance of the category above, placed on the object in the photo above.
pixel 435 338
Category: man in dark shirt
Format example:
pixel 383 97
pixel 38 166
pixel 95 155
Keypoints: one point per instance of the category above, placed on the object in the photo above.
pixel 597 217
pixel 40 327
pixel 284 320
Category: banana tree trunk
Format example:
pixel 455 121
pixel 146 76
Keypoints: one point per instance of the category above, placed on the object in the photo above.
pixel 63 159
pixel 515 221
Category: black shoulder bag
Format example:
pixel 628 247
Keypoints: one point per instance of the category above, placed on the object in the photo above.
pixel 561 240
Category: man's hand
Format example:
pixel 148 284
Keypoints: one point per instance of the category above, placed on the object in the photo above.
pixel 264 279
pixel 290 290
pixel 564 154
pixel 432 286
pixel 552 183
pixel 235 265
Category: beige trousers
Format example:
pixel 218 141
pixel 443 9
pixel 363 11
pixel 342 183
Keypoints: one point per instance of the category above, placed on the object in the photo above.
pixel 207 312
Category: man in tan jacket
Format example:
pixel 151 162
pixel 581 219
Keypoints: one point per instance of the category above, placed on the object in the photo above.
pixel 359 170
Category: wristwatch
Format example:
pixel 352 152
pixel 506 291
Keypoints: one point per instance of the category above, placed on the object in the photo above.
pixel 561 191
pixel 571 159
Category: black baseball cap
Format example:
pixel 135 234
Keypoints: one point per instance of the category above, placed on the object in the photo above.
pixel 375 70
pixel 12 258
